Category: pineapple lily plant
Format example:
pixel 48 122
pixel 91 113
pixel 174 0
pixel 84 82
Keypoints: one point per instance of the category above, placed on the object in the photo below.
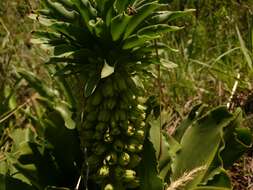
pixel 108 44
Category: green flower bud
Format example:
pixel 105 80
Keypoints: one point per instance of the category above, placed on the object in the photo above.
pixel 96 99
pixel 141 107
pixel 88 125
pixel 143 116
pixel 99 149
pixel 101 127
pixel 133 184
pixel 98 135
pixel 118 145
pixel 142 124
pixel 104 115
pixel 111 103
pixel 134 161
pixel 124 159
pixel 115 131
pixel 129 175
pixel 141 100
pixel 119 173
pixel 93 161
pixel 86 134
pixel 121 84
pixel 113 124
pixel 107 89
pixel 92 116
pixel 109 187
pixel 122 115
pixel 110 159
pixel 108 137
pixel 134 146
pixel 130 130
pixel 103 171
pixel 139 135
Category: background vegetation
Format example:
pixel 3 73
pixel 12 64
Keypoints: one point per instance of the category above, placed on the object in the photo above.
pixel 206 58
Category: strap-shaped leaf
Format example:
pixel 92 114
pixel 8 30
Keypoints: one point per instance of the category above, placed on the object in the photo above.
pixel 86 10
pixel 167 16
pixel 91 85
pixel 59 11
pixel 109 16
pixel 42 19
pixel 62 49
pixel 73 33
pixel 118 25
pixel 46 36
pixel 155 31
pixel 120 5
pixel 146 34
pixel 140 15
pixel 37 84
pixel 67 3
pixel 134 42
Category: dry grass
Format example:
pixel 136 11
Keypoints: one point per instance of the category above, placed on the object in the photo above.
pixel 185 178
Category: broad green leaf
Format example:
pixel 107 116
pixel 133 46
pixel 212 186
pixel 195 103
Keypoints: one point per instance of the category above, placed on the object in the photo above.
pixel 155 136
pixel 143 12
pixel 169 148
pixel 195 113
pixel 219 178
pixel 232 137
pixel 200 142
pixel 148 169
pixel 165 147
pixel 241 141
